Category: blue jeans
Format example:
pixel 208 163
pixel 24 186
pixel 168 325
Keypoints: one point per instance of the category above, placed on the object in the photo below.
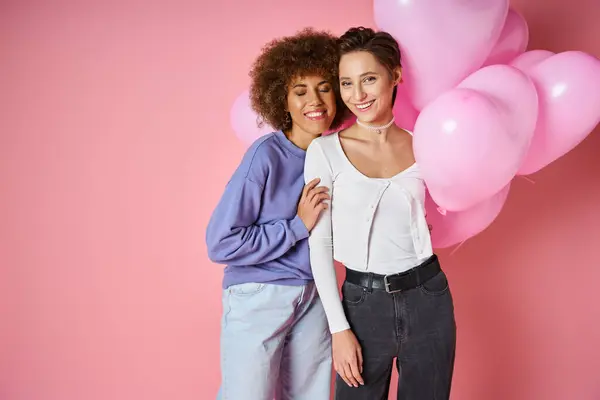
pixel 275 344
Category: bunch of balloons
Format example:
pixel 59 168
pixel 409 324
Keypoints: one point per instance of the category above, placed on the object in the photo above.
pixel 487 109
pixel 483 110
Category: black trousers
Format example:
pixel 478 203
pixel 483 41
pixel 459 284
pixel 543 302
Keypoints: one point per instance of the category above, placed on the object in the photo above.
pixel 416 327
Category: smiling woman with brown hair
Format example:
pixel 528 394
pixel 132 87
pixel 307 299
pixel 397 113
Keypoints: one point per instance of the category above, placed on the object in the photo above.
pixel 396 300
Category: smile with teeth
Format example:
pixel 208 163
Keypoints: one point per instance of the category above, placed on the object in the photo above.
pixel 316 115
pixel 365 106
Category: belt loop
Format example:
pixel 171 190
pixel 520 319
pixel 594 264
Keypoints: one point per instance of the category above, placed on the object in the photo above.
pixel 370 282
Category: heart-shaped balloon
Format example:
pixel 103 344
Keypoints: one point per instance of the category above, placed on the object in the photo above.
pixel 568 86
pixel 456 227
pixel 442 42
pixel 526 61
pixel 458 141
pixel 471 141
pixel 512 42
pixel 516 95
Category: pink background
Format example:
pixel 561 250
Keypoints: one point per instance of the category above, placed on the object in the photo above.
pixel 115 146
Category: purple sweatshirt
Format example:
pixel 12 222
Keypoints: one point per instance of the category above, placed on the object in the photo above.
pixel 255 230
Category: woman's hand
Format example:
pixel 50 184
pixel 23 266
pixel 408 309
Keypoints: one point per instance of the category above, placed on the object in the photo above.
pixel 347 357
pixel 312 203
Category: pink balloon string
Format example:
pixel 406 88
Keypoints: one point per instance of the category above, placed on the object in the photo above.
pixel 527 178
pixel 457 247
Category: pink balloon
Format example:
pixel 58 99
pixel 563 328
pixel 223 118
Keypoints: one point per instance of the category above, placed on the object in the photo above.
pixel 442 42
pixel 515 94
pixel 458 140
pixel 244 120
pixel 404 112
pixel 526 61
pixel 470 141
pixel 456 227
pixel 512 42
pixel 568 86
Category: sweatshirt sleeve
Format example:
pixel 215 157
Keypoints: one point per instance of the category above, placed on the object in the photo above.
pixel 234 238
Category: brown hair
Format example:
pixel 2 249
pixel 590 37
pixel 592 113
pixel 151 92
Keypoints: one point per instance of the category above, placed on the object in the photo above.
pixel 309 52
pixel 380 44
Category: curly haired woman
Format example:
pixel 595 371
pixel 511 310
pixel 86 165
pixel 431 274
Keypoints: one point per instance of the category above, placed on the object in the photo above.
pixel 275 341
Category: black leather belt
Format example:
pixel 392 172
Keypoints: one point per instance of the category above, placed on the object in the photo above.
pixel 397 282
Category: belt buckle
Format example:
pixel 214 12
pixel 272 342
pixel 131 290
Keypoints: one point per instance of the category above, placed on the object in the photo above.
pixel 387 285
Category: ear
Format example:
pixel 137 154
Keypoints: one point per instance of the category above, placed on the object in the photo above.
pixel 397 76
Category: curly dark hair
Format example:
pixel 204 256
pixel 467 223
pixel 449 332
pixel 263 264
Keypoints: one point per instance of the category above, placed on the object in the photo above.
pixel 380 44
pixel 309 52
